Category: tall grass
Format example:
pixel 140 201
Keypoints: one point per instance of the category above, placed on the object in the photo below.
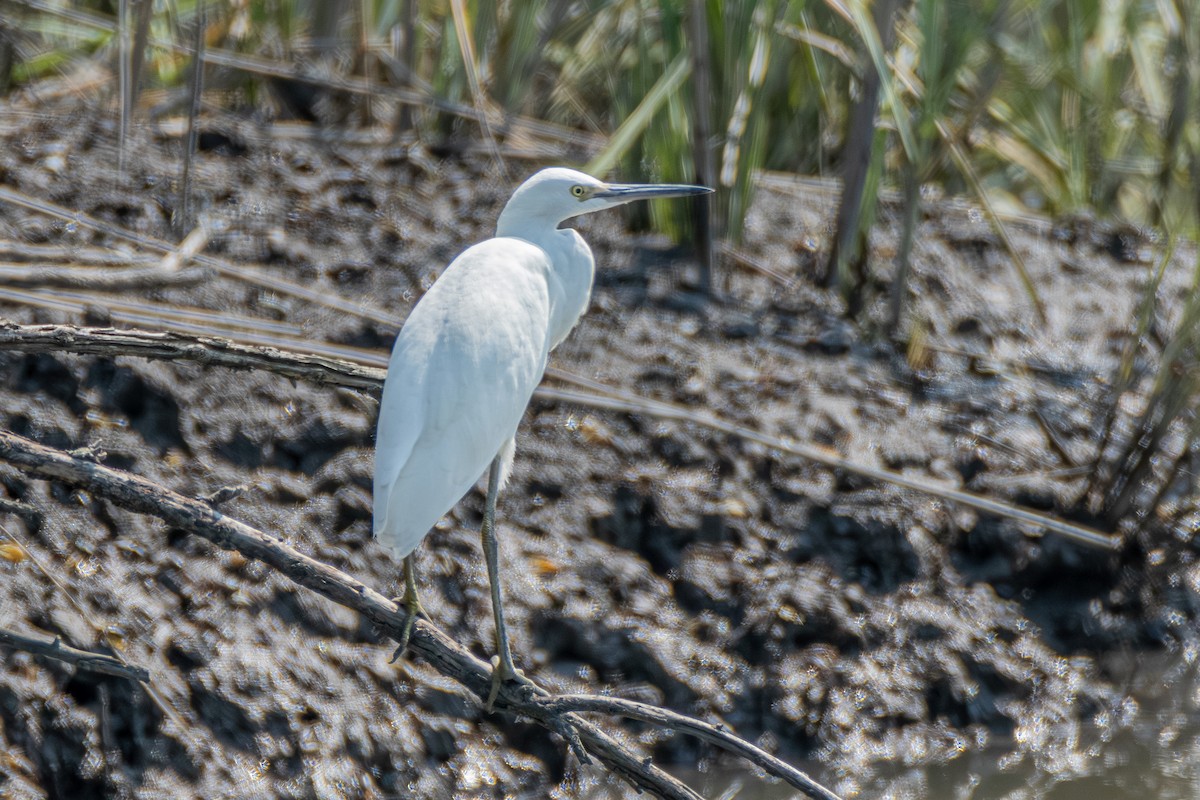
pixel 1066 104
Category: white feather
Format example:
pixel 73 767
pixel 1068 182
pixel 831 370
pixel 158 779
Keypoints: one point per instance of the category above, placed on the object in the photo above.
pixel 471 353
pixel 458 383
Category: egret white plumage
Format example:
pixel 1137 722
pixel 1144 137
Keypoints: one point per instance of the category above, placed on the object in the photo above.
pixel 466 363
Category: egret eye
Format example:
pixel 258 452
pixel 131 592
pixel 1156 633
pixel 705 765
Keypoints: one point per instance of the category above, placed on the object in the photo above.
pixel 579 191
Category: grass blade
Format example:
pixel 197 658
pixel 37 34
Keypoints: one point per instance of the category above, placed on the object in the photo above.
pixel 625 136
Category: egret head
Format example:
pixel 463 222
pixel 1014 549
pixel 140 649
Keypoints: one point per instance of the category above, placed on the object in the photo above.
pixel 557 194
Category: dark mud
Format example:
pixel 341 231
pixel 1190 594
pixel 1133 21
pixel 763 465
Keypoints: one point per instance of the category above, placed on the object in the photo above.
pixel 894 642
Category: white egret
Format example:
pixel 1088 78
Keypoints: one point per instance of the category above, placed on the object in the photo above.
pixel 467 360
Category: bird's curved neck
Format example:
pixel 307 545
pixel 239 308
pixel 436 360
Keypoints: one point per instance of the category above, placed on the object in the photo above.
pixel 514 222
pixel 571 270
pixel 574 270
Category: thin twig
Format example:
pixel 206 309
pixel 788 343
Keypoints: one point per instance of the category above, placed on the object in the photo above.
pixel 833 459
pixel 144 9
pixel 192 244
pixel 702 150
pixel 31 514
pixel 447 656
pixel 466 49
pixel 72 254
pixel 182 732
pixel 123 82
pixel 83 659
pixel 185 319
pixel 713 734
pixel 228 269
pixel 1056 442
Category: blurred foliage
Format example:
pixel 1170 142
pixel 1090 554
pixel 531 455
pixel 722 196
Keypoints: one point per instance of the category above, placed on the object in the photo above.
pixel 1063 105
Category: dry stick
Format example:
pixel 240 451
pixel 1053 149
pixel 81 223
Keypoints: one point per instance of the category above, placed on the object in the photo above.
pixel 209 350
pixel 30 513
pixel 83 659
pixel 72 254
pixel 182 733
pixel 447 656
pixel 192 244
pixel 702 154
pixel 189 319
pixel 620 401
pixel 123 83
pixel 245 273
pixel 137 56
pixel 712 734
pixel 99 279
pixel 183 215
pixel 408 45
pixel 222 352
pixel 466 49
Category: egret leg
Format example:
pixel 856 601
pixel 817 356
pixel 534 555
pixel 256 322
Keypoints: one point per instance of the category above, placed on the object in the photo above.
pixel 502 664
pixel 411 603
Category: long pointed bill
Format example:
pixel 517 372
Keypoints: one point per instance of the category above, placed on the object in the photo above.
pixel 624 193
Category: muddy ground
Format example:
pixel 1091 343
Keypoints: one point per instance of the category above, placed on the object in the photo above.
pixel 893 642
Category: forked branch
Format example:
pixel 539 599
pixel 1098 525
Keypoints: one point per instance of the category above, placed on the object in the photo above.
pixel 138 494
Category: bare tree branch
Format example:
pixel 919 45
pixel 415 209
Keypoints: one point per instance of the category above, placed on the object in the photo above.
pixel 442 652
pixel 83 659
pixel 210 350
pixel 31 514
pixel 82 255
pixel 100 279
pixel 712 734
pixel 319 369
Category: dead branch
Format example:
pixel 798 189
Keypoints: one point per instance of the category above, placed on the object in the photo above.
pixel 138 494
pixel 73 254
pixel 83 659
pixel 209 350
pixel 100 279
pixel 218 351
pixel 242 272
pixel 31 514
pixel 713 734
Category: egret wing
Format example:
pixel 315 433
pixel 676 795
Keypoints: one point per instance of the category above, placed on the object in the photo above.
pixel 401 419
pixel 465 365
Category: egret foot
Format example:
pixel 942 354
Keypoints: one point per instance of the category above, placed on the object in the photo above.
pixel 412 604
pixel 413 610
pixel 502 673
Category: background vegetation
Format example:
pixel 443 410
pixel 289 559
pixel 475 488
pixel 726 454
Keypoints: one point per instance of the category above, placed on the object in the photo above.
pixel 1064 106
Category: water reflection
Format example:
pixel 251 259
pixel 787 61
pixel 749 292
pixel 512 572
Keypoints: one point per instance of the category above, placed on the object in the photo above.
pixel 1149 749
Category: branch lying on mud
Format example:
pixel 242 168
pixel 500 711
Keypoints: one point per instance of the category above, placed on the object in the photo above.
pixel 713 734
pixel 83 659
pixel 209 350
pixel 100 279
pixel 447 656
pixel 217 351
pixel 31 514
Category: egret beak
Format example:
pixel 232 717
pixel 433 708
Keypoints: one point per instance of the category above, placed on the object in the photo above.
pixel 624 193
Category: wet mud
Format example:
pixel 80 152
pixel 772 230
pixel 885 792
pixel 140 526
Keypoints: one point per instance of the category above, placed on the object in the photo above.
pixel 887 639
